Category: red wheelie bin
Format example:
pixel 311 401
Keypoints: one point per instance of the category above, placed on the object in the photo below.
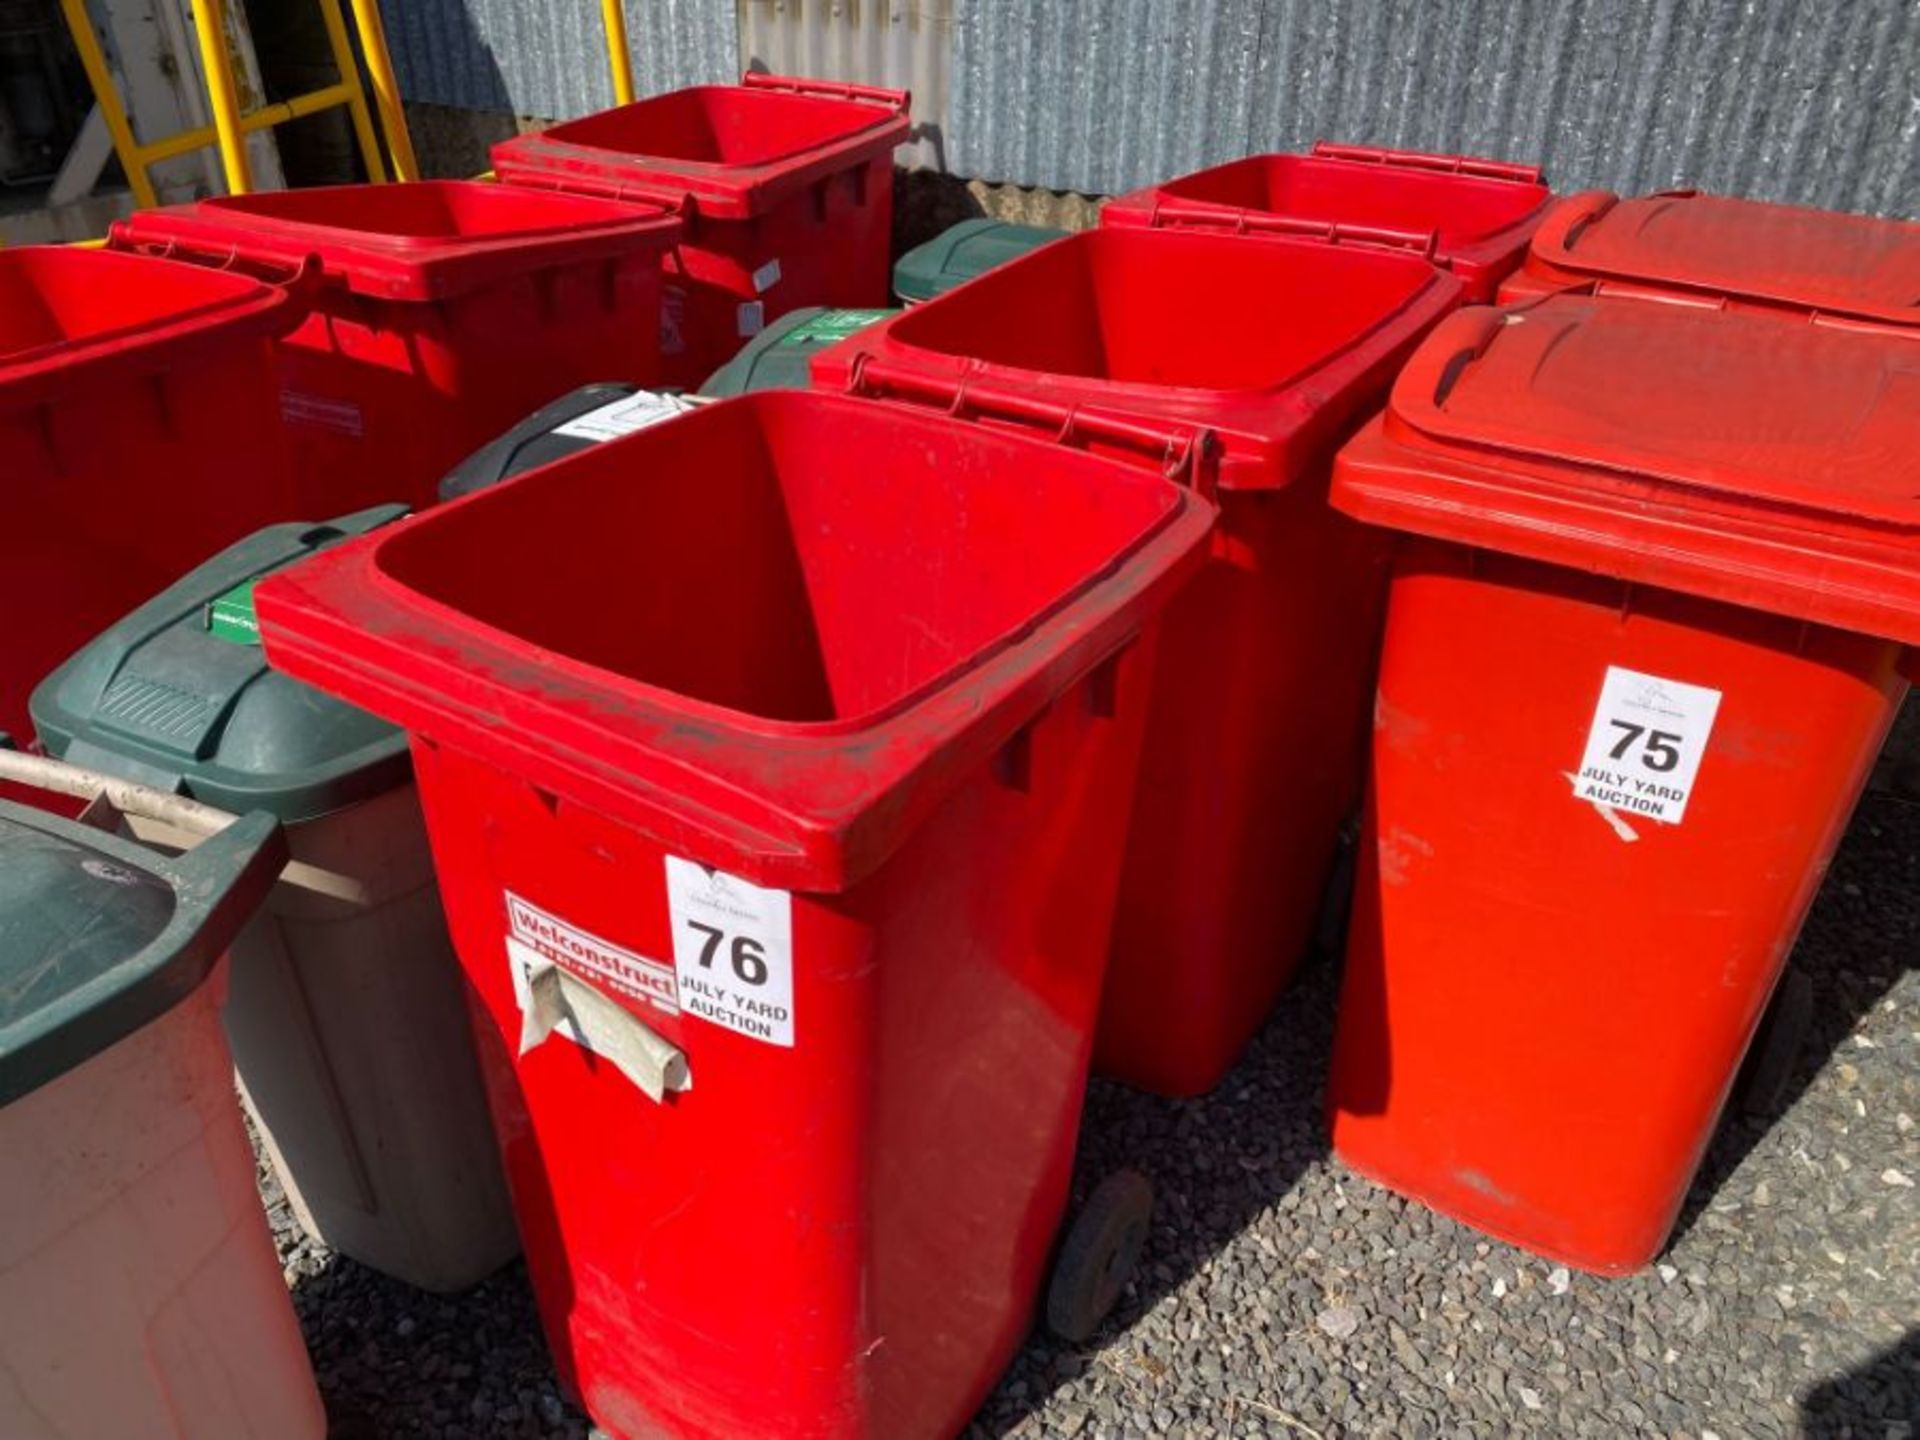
pixel 777 798
pixel 1642 646
pixel 1680 245
pixel 785 185
pixel 444 305
pixel 1279 347
pixel 1472 215
pixel 141 433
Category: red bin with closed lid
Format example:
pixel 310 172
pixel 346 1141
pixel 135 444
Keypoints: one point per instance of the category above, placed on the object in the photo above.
pixel 1277 349
pixel 785 184
pixel 1472 215
pixel 1682 245
pixel 777 760
pixel 1641 648
pixel 444 306
pixel 141 434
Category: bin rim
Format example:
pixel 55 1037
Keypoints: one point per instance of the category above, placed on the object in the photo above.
pixel 216 887
pixel 217 232
pixel 247 310
pixel 806 805
pixel 549 160
pixel 1728 529
pixel 1469 250
pixel 1267 437
pixel 1556 259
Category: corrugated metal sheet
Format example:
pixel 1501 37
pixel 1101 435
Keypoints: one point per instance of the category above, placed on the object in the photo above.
pixel 548 57
pixel 1815 103
pixel 905 45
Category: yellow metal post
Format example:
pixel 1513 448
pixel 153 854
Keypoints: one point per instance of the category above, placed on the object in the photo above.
pixel 386 91
pixel 94 61
pixel 619 58
pixel 356 99
pixel 210 20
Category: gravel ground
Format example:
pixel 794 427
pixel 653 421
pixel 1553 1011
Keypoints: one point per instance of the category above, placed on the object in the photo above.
pixel 1283 1296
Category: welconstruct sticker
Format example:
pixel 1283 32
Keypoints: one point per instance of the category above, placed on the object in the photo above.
pixel 550 938
pixel 624 416
pixel 732 951
pixel 1645 744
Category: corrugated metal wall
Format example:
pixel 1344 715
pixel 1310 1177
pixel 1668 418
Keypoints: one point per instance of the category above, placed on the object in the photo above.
pixel 1809 100
pixel 549 57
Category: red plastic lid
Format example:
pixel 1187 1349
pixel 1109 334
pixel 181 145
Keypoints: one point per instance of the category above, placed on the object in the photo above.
pixel 427 240
pixel 735 151
pixel 1724 455
pixel 1470 213
pixel 777 653
pixel 1843 265
pixel 1272 346
pixel 68 314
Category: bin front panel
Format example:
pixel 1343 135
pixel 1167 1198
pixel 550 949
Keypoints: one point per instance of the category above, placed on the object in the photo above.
pixel 1549 987
pixel 841 1234
pixel 1478 215
pixel 1716 249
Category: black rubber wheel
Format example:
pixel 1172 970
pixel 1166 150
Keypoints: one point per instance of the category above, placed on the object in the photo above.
pixel 1097 1257
pixel 1776 1045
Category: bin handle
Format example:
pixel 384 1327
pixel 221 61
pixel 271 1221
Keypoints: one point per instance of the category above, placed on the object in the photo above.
pixel 895 100
pixel 302 276
pixel 556 997
pixel 1182 453
pixel 1555 238
pixel 1480 169
pixel 1425 243
pixel 57 777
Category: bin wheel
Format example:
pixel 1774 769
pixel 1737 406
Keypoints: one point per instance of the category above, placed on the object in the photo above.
pixel 1097 1258
pixel 1776 1047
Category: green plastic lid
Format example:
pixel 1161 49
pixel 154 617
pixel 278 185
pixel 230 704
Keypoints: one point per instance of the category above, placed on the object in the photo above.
pixel 99 936
pixel 776 358
pixel 962 251
pixel 178 696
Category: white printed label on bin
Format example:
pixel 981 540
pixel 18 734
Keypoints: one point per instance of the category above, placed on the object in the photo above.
pixel 766 277
pixel 732 951
pixel 552 939
pixel 624 416
pixel 1645 744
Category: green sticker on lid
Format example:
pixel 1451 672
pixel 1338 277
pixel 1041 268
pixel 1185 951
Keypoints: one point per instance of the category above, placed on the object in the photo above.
pixel 231 618
pixel 830 326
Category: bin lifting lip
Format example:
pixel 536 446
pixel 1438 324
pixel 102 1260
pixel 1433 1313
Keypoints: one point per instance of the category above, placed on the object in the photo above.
pixel 1264 438
pixel 809 806
pixel 1596 235
pixel 548 159
pixel 1580 491
pixel 218 234
pixel 41 374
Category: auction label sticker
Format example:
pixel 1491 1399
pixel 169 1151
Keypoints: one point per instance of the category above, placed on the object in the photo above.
pixel 732 951
pixel 549 937
pixel 1645 744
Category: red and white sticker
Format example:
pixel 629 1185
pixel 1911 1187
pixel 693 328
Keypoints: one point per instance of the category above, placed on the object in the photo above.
pixel 732 951
pixel 550 938
pixel 1645 745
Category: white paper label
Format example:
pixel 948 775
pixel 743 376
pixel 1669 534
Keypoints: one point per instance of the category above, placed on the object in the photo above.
pixel 1645 744
pixel 732 951
pixel 624 416
pixel 583 952
pixel 750 319
pixel 766 277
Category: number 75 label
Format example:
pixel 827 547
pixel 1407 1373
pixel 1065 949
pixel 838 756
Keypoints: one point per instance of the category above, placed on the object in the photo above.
pixel 1645 744
pixel 732 951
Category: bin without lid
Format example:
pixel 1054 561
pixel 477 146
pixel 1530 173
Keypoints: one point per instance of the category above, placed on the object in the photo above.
pixel 1846 267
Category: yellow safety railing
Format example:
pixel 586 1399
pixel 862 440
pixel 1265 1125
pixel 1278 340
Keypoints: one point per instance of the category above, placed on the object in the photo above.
pixel 230 125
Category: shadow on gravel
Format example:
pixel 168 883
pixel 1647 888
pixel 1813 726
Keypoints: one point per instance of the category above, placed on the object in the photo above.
pixel 1217 1164
pixel 1871 897
pixel 1879 1399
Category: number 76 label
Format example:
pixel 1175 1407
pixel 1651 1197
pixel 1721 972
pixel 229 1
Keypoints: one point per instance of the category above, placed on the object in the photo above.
pixel 1645 744
pixel 732 951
